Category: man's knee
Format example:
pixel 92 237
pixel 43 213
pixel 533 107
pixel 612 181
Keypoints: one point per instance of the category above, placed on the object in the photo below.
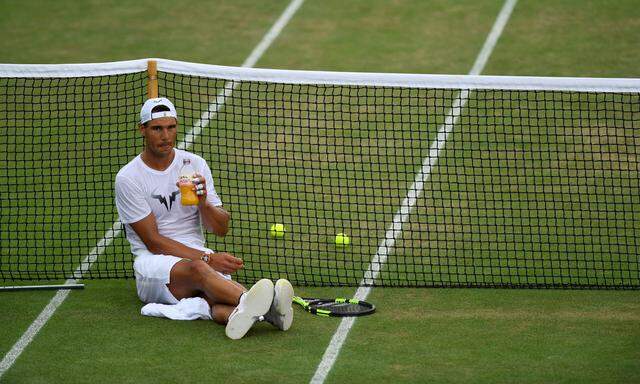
pixel 190 273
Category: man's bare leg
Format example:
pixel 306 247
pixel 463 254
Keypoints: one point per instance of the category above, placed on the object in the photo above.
pixel 190 278
pixel 195 278
pixel 220 313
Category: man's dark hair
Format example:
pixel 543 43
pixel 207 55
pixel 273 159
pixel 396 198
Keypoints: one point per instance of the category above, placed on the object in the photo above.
pixel 158 108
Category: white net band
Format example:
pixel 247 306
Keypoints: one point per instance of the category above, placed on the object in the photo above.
pixel 577 84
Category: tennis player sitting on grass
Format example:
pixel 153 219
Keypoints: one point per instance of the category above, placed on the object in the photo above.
pixel 171 260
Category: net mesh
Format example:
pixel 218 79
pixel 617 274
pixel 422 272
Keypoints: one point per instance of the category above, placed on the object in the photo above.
pixel 434 187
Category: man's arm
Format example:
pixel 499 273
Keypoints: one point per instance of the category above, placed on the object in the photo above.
pixel 147 229
pixel 214 219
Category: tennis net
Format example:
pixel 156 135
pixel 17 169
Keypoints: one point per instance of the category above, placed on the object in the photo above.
pixel 438 181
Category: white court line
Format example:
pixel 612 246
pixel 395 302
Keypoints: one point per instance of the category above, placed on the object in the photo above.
pixel 115 230
pixel 395 230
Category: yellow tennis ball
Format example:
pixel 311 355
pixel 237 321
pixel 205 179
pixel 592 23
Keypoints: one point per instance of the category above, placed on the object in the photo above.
pixel 342 240
pixel 277 230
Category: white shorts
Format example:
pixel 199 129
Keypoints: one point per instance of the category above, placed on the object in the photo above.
pixel 153 273
pixel 152 276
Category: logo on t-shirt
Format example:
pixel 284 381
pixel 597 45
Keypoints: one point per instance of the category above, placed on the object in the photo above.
pixel 163 200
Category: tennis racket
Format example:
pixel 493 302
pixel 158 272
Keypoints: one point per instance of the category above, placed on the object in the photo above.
pixel 338 307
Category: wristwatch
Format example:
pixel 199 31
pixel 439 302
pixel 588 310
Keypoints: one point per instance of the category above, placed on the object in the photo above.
pixel 205 258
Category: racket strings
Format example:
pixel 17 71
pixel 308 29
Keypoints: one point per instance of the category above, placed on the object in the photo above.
pixel 338 308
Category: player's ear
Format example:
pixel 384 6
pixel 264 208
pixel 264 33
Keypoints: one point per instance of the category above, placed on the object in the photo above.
pixel 141 128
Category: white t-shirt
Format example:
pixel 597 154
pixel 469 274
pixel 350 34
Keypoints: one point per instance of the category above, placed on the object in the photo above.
pixel 141 190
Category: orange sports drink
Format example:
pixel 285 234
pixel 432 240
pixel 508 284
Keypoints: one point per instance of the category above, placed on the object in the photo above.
pixel 188 194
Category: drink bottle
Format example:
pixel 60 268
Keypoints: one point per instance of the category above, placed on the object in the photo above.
pixel 188 194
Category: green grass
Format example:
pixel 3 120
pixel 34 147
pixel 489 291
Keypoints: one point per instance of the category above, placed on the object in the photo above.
pixel 407 37
pixel 417 335
pixel 96 31
pixel 100 333
pixel 480 336
pixel 569 38
pixel 436 335
pixel 18 312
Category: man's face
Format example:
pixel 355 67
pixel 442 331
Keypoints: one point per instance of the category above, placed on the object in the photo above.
pixel 160 135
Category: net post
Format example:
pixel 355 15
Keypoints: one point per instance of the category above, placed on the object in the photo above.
pixel 152 83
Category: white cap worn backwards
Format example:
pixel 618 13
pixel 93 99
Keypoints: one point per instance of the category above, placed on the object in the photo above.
pixel 145 112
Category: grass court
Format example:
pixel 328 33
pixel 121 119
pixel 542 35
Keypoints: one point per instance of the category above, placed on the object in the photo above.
pixel 418 334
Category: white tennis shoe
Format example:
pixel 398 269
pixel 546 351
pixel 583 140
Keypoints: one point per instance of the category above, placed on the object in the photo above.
pixel 253 305
pixel 281 314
